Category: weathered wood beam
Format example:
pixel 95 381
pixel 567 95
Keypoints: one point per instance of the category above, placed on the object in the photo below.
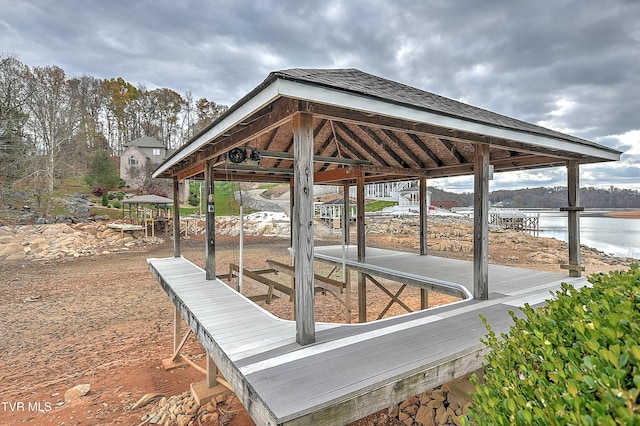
pixel 409 157
pixel 359 117
pixel 210 220
pixel 176 217
pixel 424 208
pixel 573 216
pixel 423 148
pixel 346 225
pixel 303 243
pixel 453 150
pixel 191 171
pixel 395 171
pixel 280 111
pixel 362 150
pixel 337 175
pixel 384 145
pixel 250 177
pixel 481 223
pixel 361 247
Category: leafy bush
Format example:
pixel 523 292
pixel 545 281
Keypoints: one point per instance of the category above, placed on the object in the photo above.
pixel 116 204
pixel 194 201
pixel 575 361
pixel 105 199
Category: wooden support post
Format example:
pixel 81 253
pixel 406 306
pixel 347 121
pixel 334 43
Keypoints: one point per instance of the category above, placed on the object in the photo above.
pixel 210 218
pixel 346 215
pixel 212 373
pixel 424 208
pixel 481 223
pixel 573 217
pixel 176 217
pixel 176 360
pixel 424 298
pixel 361 245
pixel 177 322
pixel 292 213
pixel 210 387
pixel 346 239
pixel 303 224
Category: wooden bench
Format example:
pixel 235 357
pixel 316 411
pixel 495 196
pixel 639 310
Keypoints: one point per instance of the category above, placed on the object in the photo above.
pixel 352 370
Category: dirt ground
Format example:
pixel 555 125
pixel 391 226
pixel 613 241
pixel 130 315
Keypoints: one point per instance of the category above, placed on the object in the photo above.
pixel 106 322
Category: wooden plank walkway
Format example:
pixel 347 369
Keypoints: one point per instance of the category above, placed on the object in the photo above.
pixel 451 272
pixel 353 369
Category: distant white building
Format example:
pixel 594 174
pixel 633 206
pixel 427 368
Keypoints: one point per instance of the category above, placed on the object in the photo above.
pixel 405 193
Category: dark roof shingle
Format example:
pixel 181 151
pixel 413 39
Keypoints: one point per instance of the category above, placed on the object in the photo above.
pixel 358 82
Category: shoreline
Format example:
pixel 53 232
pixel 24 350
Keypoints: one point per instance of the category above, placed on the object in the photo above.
pixel 632 214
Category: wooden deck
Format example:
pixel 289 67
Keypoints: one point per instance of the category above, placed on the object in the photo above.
pixel 353 369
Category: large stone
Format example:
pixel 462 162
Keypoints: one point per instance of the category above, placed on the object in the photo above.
pixel 76 392
pixel 8 239
pixel 183 419
pixel 424 416
pixel 10 249
pixel 16 256
pixel 459 391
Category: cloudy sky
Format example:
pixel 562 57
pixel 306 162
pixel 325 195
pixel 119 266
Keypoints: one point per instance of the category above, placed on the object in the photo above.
pixel 571 65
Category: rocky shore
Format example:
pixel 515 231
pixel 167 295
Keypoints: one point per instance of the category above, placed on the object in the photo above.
pixel 447 235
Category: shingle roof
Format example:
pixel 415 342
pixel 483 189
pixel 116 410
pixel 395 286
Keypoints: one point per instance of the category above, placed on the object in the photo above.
pixel 146 142
pixel 359 82
pixel 148 199
pixel 392 128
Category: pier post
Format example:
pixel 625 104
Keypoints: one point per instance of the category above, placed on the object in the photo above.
pixel 481 223
pixel 303 224
pixel 573 218
pixel 210 219
pixel 176 217
pixel 360 236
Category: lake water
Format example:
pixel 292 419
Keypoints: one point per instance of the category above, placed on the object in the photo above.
pixel 617 236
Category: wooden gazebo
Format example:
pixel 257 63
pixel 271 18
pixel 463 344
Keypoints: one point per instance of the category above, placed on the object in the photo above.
pixel 347 127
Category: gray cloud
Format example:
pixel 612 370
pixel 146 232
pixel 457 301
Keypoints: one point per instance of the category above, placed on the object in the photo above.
pixel 573 65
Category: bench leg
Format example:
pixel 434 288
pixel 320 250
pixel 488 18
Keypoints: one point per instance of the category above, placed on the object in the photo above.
pixel 210 387
pixel 176 360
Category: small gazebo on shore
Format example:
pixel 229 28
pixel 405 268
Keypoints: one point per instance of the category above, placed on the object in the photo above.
pixel 149 210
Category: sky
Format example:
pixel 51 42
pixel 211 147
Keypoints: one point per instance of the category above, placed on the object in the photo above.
pixel 570 65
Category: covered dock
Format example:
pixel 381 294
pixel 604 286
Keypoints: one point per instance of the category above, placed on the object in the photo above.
pixel 347 127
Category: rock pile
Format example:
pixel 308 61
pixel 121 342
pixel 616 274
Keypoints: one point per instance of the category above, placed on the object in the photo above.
pixel 437 407
pixel 65 240
pixel 455 234
pixel 182 410
pixel 268 224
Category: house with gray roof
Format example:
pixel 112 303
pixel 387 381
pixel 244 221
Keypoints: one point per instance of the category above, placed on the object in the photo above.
pixel 139 158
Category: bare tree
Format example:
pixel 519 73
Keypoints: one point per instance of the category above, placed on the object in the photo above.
pixel 54 118
pixel 14 147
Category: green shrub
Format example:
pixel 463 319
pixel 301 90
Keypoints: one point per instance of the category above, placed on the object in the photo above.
pixel 116 204
pixel 575 361
pixel 105 199
pixel 194 201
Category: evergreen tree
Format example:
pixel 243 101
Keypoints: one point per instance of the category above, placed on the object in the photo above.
pixel 103 171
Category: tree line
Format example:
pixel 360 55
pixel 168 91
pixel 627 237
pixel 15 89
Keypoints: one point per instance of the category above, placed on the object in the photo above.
pixel 52 124
pixel 541 197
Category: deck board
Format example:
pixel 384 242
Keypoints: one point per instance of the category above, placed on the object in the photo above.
pixel 352 369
